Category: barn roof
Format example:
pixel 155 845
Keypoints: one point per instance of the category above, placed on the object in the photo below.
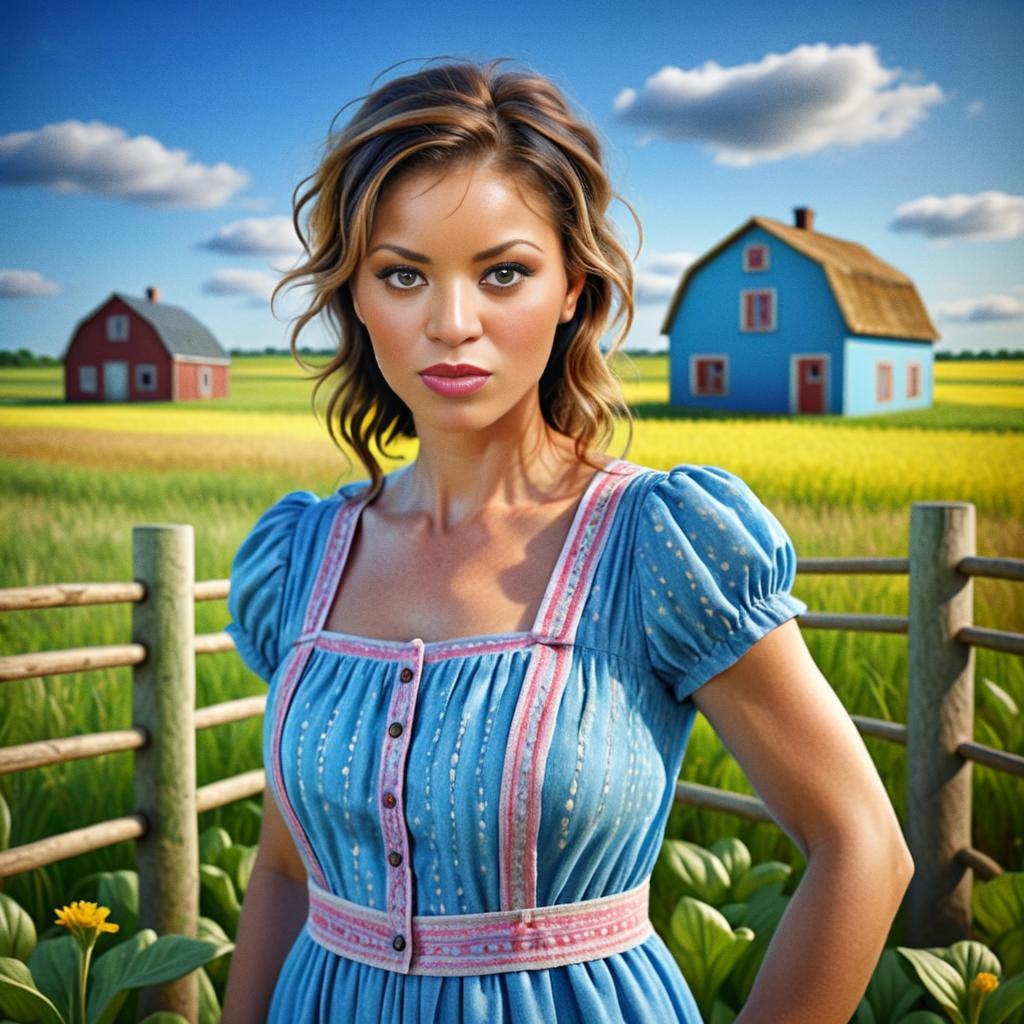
pixel 179 330
pixel 874 298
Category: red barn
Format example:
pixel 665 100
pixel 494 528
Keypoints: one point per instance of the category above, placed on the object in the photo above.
pixel 142 350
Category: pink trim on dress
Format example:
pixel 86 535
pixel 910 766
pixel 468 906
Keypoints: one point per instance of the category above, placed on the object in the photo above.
pixel 492 943
pixel 537 707
pixel 338 543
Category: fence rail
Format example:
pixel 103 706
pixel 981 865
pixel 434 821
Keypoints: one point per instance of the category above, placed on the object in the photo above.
pixel 938 737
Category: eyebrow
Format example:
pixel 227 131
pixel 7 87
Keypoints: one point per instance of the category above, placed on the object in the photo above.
pixel 418 257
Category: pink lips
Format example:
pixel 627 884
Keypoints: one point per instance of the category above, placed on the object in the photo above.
pixel 457 379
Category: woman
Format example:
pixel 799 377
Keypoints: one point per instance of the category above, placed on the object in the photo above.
pixel 484 667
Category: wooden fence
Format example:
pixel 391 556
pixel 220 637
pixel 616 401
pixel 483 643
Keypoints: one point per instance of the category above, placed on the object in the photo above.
pixel 941 640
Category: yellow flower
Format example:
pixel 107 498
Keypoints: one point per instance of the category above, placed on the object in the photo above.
pixel 85 920
pixel 984 982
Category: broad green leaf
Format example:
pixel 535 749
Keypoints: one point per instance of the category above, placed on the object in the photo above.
pixel 172 957
pixel 107 989
pixel 922 1017
pixel 761 916
pixel 892 990
pixel 56 966
pixel 217 897
pixel 1009 947
pixel 735 857
pixel 164 1017
pixel 770 875
pixel 209 1004
pixel 238 862
pixel 722 1014
pixel 699 872
pixel 5 824
pixel 998 905
pixel 943 980
pixel 211 931
pixel 17 932
pixel 212 844
pixel 706 947
pixel 1006 999
pixel 20 999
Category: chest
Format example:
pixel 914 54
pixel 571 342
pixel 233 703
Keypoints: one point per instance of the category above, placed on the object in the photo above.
pixel 490 577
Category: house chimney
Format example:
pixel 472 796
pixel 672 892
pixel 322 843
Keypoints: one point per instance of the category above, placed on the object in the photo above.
pixel 153 293
pixel 804 217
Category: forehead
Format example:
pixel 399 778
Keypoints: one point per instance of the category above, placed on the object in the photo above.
pixel 474 198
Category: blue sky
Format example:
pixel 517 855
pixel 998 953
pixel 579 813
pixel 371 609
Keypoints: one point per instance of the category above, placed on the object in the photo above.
pixel 142 144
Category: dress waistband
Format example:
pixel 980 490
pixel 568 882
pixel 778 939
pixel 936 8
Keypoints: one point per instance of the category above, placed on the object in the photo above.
pixel 491 943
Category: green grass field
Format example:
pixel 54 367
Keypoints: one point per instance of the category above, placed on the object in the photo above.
pixel 77 477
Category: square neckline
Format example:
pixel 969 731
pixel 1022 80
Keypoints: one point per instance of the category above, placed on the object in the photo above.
pixel 482 640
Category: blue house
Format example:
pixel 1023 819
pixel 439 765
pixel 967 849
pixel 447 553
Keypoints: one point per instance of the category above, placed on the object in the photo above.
pixel 783 319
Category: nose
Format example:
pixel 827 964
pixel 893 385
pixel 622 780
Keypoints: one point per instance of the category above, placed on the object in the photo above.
pixel 453 316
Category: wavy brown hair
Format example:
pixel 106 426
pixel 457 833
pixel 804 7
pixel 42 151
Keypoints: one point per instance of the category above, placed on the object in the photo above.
pixel 449 116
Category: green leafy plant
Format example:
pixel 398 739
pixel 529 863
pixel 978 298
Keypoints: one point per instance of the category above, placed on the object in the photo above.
pixel 966 981
pixel 717 911
pixel 998 911
pixel 60 983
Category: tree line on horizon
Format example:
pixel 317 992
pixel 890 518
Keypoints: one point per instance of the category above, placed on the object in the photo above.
pixel 26 357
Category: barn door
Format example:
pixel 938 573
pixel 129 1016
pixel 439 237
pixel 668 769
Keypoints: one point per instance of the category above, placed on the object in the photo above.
pixel 115 382
pixel 810 384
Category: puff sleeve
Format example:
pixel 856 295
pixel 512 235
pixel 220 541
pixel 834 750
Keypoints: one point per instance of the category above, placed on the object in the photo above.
pixel 258 573
pixel 713 568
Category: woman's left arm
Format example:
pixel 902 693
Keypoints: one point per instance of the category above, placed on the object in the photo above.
pixel 783 723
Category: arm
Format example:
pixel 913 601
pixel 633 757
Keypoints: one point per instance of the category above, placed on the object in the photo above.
pixel 782 722
pixel 273 913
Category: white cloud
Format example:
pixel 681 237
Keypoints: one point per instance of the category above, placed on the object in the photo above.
pixel 651 288
pixel 975 108
pixel 984 216
pixel 19 284
pixel 670 262
pixel 98 158
pixel 241 282
pixel 256 235
pixel 658 281
pixel 783 105
pixel 986 309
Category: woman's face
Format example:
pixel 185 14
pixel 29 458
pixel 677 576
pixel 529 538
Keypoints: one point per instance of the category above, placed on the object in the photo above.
pixel 460 269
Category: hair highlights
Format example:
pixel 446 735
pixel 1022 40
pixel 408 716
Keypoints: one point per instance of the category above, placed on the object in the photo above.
pixel 445 116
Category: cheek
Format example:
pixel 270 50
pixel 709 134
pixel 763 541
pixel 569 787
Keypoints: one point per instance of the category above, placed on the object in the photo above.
pixel 529 322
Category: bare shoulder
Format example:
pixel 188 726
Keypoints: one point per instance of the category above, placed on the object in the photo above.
pixel 783 723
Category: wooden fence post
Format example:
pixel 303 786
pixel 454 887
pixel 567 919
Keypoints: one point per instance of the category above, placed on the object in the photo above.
pixel 940 715
pixel 164 699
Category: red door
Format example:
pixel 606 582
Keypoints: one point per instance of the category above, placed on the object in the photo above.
pixel 810 384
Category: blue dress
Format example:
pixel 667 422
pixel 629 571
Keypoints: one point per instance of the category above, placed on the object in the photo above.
pixel 488 775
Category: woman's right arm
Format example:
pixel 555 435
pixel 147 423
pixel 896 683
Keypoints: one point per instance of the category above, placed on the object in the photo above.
pixel 273 913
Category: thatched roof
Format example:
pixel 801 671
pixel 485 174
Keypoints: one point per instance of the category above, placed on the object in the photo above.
pixel 874 298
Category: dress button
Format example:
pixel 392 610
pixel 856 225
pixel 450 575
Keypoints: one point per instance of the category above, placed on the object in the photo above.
pixel 399 942
pixel 394 858
pixel 395 729
pixel 406 675
pixel 389 800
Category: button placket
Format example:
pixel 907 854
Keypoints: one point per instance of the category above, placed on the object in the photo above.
pixel 392 815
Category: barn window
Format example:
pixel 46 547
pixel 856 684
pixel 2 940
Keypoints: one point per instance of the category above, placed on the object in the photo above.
pixel 883 382
pixel 145 377
pixel 87 379
pixel 755 257
pixel 709 375
pixel 757 309
pixel 117 328
pixel 205 381
pixel 913 380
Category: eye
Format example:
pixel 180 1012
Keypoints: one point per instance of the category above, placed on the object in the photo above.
pixel 505 275
pixel 402 279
